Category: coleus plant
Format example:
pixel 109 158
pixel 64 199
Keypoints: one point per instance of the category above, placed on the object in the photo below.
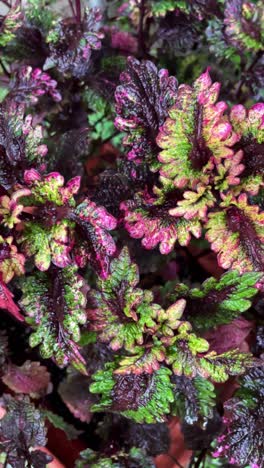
pixel 157 343
pixel 117 338
pixel 201 183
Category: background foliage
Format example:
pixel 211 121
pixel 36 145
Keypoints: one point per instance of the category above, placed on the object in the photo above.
pixel 131 233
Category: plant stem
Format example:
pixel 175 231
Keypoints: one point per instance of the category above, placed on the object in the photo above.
pixel 78 10
pixel 141 36
pixel 72 7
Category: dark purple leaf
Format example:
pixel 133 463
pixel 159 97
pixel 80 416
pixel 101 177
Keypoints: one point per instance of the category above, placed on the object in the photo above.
pixel 94 242
pixel 72 42
pixel 21 429
pixel 19 144
pixel 142 103
pixel 229 336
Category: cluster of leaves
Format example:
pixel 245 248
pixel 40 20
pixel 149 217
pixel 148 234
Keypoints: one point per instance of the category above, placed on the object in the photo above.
pixel 244 423
pixel 204 179
pixel 160 348
pixel 112 130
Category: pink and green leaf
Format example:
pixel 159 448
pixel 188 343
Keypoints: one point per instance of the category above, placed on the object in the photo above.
pixel 54 304
pixel 195 203
pixel 156 226
pixel 236 233
pixel 9 25
pixel 50 188
pixel 249 125
pixel 142 361
pixel 94 242
pixel 48 244
pixel 10 210
pixel 29 84
pixel 196 135
pixel 11 261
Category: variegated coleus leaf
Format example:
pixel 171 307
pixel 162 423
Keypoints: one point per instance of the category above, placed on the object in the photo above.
pixel 218 302
pixel 122 314
pixel 219 367
pixel 249 125
pixel 196 136
pixel 49 236
pixel 20 144
pixel 243 439
pixel 118 310
pixel 194 399
pixel 244 24
pixel 48 244
pixel 21 429
pixel 236 233
pixel 196 8
pixel 230 172
pixel 71 43
pixel 143 397
pixel 11 208
pixel 156 226
pixel 51 189
pixel 194 204
pixel 189 355
pixel 58 225
pixel 169 320
pixel 142 103
pixel 147 359
pixel 11 261
pixel 162 7
pixel 29 84
pixel 182 350
pixel 54 306
pixel 143 360
pixel 94 243
pixel 9 25
pixel 251 387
